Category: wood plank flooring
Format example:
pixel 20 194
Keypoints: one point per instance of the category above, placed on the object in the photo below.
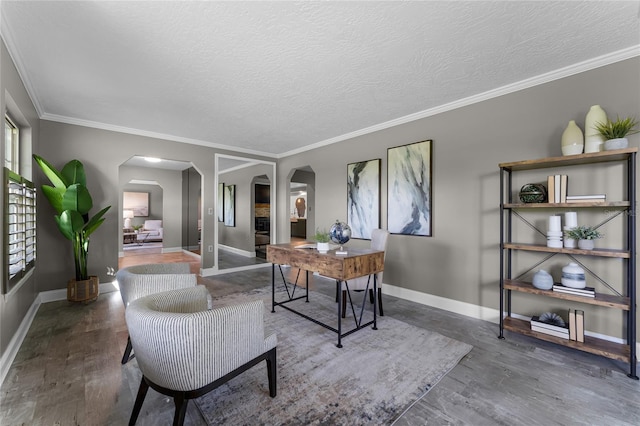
pixel 68 369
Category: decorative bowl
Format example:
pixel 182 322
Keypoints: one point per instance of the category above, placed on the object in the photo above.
pixel 533 193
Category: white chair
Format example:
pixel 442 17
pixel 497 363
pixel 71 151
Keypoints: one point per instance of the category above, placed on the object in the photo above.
pixel 379 239
pixel 151 231
pixel 141 280
pixel 185 351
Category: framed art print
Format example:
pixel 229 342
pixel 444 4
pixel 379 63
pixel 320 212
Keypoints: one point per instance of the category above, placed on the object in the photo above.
pixel 230 205
pixel 221 202
pixel 136 201
pixel 363 198
pixel 409 204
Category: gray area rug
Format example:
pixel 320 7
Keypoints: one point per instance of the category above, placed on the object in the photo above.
pixel 373 379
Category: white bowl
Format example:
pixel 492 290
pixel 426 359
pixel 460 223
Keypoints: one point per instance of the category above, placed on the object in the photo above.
pixel 619 143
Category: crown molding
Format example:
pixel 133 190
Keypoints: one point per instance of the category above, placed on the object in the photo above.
pixel 567 71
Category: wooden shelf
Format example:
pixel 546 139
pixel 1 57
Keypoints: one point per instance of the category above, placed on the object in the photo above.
pixel 610 301
pixel 592 345
pixel 612 204
pixel 569 160
pixel 620 254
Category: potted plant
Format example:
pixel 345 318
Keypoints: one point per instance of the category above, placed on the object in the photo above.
pixel 72 201
pixel 615 132
pixel 585 236
pixel 322 239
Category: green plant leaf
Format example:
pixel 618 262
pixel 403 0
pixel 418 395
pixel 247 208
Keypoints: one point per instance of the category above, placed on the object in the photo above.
pixel 70 222
pixel 56 178
pixel 54 195
pixel 95 221
pixel 73 172
pixel 77 198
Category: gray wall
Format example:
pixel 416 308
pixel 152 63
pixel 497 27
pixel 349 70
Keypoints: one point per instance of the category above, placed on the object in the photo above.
pixel 461 260
pixel 15 100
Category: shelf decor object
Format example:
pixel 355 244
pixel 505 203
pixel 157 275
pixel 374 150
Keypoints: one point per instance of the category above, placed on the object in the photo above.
pixel 572 139
pixel 621 297
pixel 593 140
pixel 533 193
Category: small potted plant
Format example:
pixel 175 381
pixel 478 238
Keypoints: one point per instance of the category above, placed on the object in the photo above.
pixel 322 239
pixel 615 132
pixel 585 236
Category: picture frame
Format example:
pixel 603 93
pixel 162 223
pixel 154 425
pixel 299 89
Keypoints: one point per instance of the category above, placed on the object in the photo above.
pixel 363 198
pixel 409 189
pixel 136 201
pixel 230 205
pixel 220 207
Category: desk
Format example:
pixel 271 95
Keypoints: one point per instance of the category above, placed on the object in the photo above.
pixel 356 263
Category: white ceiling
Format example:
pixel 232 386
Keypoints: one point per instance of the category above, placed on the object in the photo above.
pixel 276 77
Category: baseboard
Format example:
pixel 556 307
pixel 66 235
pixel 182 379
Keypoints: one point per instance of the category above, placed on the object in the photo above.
pixel 471 310
pixel 16 341
pixel 172 249
pixel 238 251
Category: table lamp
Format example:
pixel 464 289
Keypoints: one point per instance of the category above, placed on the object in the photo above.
pixel 127 215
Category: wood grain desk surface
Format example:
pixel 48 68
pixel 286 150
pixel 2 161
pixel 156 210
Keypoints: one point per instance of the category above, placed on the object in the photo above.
pixel 356 263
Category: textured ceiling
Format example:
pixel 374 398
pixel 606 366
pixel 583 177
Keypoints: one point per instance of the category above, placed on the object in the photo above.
pixel 274 77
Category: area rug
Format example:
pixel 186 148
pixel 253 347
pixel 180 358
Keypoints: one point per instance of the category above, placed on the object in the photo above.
pixel 136 246
pixel 372 379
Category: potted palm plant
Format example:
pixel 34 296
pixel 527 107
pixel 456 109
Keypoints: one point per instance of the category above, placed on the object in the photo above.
pixel 585 236
pixel 615 132
pixel 72 202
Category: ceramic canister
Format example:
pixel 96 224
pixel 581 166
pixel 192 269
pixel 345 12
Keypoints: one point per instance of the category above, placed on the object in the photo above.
pixel 573 276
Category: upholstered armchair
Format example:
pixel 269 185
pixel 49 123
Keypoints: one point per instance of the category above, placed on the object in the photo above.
pixel 142 280
pixel 379 239
pixel 185 351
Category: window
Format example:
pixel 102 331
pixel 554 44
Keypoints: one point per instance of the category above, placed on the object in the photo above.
pixel 11 145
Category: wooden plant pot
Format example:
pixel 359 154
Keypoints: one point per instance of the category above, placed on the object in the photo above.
pixel 83 291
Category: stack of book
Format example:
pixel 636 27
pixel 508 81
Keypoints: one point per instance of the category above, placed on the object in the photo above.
pixel 557 188
pixel 586 198
pixel 586 292
pixel 576 325
pixel 550 329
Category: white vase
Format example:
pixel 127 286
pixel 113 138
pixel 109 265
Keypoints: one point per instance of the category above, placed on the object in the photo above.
pixel 593 140
pixel 573 276
pixel 572 139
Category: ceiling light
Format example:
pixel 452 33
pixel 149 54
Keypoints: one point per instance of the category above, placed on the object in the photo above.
pixel 152 159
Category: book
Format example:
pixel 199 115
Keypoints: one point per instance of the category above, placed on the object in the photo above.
pixel 556 195
pixel 551 188
pixel 587 291
pixel 563 188
pixel 542 330
pixel 585 200
pixel 580 325
pixel 535 322
pixel 587 197
pixel 572 325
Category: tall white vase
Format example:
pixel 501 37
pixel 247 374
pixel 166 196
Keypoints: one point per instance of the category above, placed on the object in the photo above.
pixel 593 141
pixel 572 139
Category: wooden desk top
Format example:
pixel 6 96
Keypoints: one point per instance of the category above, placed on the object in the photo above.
pixel 356 263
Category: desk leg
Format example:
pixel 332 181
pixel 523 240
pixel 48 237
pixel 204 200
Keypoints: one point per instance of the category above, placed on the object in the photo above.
pixel 273 287
pixel 339 293
pixel 375 301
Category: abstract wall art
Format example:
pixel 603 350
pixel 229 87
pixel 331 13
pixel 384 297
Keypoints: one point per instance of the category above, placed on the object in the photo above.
pixel 409 205
pixel 220 202
pixel 363 198
pixel 136 201
pixel 230 205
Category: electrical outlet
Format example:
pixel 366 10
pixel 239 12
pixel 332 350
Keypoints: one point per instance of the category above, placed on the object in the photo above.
pixel 210 211
pixel 210 249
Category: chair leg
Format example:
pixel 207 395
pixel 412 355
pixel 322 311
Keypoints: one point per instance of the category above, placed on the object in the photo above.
pixel 371 299
pixel 380 302
pixel 344 303
pixel 142 392
pixel 272 373
pixel 181 409
pixel 127 352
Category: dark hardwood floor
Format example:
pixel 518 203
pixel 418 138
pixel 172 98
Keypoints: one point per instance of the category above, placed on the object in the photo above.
pixel 68 369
